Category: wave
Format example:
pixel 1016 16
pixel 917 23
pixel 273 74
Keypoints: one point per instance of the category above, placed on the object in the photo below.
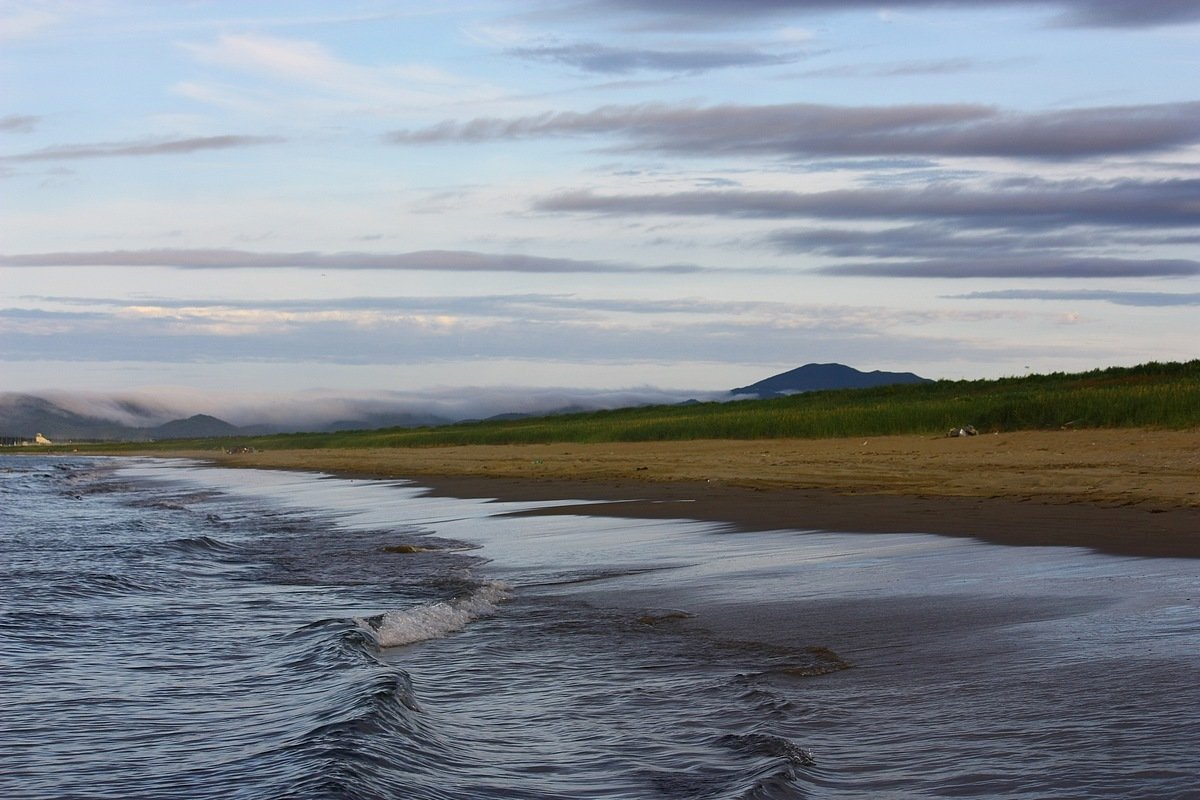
pixel 107 584
pixel 203 544
pixel 781 765
pixel 436 620
pixel 176 502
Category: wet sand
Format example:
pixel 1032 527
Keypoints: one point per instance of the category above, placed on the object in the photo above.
pixel 1123 491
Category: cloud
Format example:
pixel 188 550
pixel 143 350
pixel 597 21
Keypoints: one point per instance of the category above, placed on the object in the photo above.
pixel 1026 205
pixel 312 66
pixel 433 260
pixel 478 305
pixel 1027 267
pixel 1075 13
pixel 802 130
pixel 473 306
pixel 578 332
pixel 1124 14
pixel 25 23
pixel 905 69
pixel 622 60
pixel 923 241
pixel 16 123
pixel 1141 299
pixel 315 409
pixel 139 410
pixel 161 147
pixel 1017 228
pixel 291 59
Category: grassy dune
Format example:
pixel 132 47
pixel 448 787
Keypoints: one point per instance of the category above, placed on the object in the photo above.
pixel 1152 395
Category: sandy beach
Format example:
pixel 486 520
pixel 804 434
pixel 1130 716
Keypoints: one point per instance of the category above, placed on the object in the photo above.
pixel 1120 491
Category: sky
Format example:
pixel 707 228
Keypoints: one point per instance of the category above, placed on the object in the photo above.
pixel 398 199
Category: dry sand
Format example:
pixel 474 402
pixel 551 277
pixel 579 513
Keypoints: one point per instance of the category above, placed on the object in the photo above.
pixel 1124 491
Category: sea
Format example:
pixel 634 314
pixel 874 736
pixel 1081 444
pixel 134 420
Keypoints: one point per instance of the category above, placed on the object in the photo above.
pixel 175 630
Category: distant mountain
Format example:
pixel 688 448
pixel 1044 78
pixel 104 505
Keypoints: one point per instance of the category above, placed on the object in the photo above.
pixel 22 416
pixel 814 377
pixel 194 427
pixel 511 416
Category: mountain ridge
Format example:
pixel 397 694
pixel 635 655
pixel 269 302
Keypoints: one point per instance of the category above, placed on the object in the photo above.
pixel 22 416
pixel 817 377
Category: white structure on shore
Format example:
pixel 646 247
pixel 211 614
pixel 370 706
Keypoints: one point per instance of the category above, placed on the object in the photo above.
pixel 39 439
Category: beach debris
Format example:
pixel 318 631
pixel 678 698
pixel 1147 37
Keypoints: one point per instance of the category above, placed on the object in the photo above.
pixel 412 549
pixel 654 617
pixel 965 430
pixel 824 662
pixel 407 548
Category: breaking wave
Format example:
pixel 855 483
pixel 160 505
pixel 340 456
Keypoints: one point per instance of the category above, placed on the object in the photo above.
pixel 435 620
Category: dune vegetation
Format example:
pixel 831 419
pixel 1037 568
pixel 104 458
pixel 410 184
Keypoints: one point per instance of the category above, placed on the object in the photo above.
pixel 1153 395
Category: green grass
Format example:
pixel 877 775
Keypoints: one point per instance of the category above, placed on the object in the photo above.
pixel 1154 395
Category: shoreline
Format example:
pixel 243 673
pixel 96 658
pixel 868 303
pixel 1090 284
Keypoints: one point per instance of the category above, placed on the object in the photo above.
pixel 1173 533
pixel 1119 491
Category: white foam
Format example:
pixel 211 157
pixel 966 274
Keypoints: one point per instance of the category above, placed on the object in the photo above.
pixel 437 620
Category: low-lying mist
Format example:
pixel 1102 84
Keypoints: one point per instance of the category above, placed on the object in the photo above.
pixel 322 409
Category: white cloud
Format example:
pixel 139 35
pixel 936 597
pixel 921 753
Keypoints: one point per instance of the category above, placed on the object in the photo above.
pixel 228 321
pixel 795 35
pixel 25 23
pixel 312 67
pixel 284 58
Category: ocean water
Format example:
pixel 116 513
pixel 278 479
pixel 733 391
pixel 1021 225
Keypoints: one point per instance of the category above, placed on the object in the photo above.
pixel 175 631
